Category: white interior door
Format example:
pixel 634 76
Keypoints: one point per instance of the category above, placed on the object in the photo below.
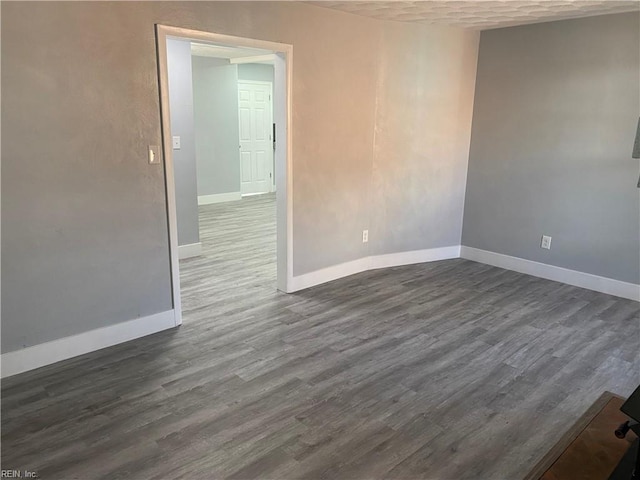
pixel 256 147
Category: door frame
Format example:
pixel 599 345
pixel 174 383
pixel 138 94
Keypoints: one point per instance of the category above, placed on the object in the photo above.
pixel 282 113
pixel 273 154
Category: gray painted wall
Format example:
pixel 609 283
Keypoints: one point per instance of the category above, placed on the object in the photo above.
pixel 255 71
pixel 84 236
pixel 182 124
pixel 215 89
pixel 555 114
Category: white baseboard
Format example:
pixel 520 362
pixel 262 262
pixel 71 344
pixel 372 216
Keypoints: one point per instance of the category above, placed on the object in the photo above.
pixel 47 353
pixel 415 256
pixel 551 272
pixel 219 198
pixel 324 275
pixel 537 269
pixel 190 250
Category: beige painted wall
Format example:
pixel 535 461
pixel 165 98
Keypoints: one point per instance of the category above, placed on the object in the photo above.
pixel 85 240
pixel 424 101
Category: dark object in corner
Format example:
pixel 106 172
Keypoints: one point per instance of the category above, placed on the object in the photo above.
pixel 627 468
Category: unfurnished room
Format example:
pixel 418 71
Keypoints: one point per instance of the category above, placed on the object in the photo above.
pixel 320 240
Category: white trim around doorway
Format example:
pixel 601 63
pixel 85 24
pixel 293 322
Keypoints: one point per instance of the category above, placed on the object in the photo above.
pixel 282 114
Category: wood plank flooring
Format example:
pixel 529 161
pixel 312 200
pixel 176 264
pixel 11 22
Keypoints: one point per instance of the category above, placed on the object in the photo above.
pixel 446 370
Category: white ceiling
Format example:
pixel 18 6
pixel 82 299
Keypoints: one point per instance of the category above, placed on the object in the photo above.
pixel 482 14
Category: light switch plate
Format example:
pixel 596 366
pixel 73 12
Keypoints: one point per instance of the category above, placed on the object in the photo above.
pixel 154 155
pixel 176 142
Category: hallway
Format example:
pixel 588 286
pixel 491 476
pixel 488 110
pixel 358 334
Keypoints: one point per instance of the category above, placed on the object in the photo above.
pixel 238 255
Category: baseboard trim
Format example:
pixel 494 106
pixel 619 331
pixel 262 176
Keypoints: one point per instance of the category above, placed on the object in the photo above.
pixel 190 250
pixel 324 275
pixel 415 256
pixel 551 272
pixel 219 198
pixel 30 358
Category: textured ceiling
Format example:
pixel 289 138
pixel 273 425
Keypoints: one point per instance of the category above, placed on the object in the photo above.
pixel 482 14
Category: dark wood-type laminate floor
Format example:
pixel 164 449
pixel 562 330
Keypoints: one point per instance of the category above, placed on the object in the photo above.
pixel 446 370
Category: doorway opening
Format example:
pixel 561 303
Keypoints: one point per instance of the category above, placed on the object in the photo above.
pixel 247 173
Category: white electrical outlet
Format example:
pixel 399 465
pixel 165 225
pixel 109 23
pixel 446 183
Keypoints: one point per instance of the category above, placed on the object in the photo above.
pixel 546 242
pixel 365 236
